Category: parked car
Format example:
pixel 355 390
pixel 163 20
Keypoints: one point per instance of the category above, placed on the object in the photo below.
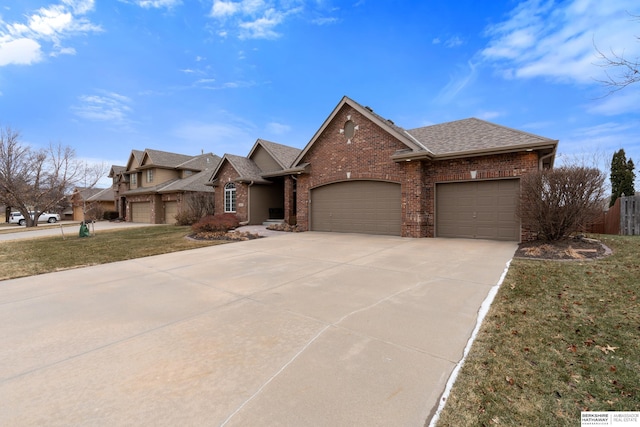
pixel 18 218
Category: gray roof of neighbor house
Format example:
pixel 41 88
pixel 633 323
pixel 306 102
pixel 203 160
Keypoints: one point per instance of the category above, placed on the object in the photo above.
pixel 116 170
pixel 103 195
pixel 201 162
pixel 201 165
pixel 86 193
pixel 162 159
pixel 196 182
pixel 137 155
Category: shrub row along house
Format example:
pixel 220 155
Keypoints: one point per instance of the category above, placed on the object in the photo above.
pixel 362 173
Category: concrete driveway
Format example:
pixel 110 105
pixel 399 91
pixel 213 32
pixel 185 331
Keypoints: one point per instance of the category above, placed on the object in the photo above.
pixel 297 329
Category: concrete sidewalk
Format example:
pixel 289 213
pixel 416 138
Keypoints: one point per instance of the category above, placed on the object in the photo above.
pixel 297 329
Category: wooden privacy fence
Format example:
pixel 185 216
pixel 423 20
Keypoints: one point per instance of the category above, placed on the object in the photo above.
pixel 621 218
pixel 630 215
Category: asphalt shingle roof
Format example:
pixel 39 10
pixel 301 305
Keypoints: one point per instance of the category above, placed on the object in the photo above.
pixel 470 135
pixel 283 154
pixel 246 168
pixel 165 159
pixel 103 195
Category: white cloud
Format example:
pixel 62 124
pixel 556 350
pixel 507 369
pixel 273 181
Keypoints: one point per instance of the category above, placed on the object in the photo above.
pixel 278 128
pixel 224 8
pixel 619 103
pixel 489 115
pixel 263 27
pixel 253 19
pixel 22 51
pixel 23 43
pixel 325 21
pixel 556 40
pixel 156 4
pixel 108 106
pixel 454 41
pixel 229 136
pixel 457 83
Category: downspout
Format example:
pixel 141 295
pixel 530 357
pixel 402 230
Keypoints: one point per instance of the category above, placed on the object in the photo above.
pixel 543 158
pixel 248 221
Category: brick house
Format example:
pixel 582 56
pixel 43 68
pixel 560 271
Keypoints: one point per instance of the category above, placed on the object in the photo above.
pixel 252 187
pixel 362 173
pixel 156 185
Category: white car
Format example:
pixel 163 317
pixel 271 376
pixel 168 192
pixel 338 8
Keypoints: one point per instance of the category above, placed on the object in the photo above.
pixel 17 218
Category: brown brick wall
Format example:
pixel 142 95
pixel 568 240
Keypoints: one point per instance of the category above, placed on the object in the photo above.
pixel 228 174
pixel 332 158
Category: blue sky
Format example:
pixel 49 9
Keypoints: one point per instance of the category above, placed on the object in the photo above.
pixel 108 76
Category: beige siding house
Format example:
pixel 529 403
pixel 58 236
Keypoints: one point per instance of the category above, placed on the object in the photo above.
pixel 156 185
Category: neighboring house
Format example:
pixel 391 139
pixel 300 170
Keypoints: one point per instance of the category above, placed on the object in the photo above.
pixel 253 187
pixel 362 173
pixel 90 203
pixel 155 185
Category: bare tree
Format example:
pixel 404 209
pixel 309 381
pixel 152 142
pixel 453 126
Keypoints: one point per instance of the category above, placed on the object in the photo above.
pixel 197 206
pixel 36 180
pixel 561 201
pixel 620 70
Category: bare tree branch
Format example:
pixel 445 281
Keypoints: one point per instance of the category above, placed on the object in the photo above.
pixel 34 181
pixel 624 71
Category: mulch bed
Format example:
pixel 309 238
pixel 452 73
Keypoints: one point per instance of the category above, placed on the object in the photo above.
pixel 232 236
pixel 573 248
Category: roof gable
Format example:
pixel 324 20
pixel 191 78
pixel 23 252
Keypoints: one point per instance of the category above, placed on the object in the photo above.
pixel 283 155
pixel 135 159
pixel 387 125
pixel 246 168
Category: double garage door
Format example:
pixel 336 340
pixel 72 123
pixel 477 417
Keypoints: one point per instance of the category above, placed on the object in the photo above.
pixel 477 210
pixel 371 207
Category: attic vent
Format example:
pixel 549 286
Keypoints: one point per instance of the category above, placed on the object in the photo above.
pixel 391 121
pixel 369 108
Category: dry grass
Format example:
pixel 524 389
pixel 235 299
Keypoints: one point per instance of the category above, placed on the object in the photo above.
pixel 560 338
pixel 21 258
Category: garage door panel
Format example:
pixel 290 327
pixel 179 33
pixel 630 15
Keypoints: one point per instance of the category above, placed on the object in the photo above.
pixel 357 206
pixel 478 209
pixel 140 212
pixel 170 212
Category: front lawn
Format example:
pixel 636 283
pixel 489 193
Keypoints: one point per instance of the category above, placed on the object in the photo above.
pixel 20 258
pixel 560 338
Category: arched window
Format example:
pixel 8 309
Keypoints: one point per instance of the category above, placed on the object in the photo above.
pixel 230 197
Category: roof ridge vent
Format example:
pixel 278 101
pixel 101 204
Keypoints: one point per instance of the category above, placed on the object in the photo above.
pixel 369 108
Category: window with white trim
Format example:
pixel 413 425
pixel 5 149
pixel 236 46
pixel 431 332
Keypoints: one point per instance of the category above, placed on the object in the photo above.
pixel 230 197
pixel 133 178
pixel 149 175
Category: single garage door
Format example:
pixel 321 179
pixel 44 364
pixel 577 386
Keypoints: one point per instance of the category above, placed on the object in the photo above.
pixel 371 207
pixel 170 212
pixel 478 210
pixel 140 212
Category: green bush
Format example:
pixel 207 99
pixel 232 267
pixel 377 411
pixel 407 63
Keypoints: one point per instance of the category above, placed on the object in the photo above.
pixel 213 223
